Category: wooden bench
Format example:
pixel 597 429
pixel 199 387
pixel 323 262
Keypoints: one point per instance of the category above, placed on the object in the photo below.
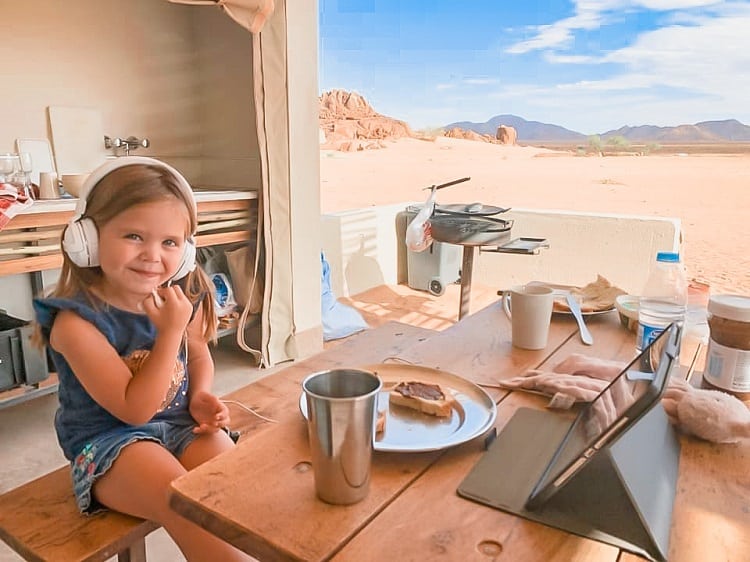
pixel 40 521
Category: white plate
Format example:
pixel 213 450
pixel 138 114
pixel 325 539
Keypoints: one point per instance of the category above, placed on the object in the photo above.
pixel 590 313
pixel 41 156
pixel 407 430
pixel 560 299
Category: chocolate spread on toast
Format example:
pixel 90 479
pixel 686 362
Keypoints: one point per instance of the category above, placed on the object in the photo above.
pixel 413 389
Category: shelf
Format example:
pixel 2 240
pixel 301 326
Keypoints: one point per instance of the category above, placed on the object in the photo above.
pixel 22 393
pixel 224 217
pixel 252 321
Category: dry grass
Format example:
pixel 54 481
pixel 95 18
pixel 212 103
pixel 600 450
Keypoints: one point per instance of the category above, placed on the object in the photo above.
pixel 651 148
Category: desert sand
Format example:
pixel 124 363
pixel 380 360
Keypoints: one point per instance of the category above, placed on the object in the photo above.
pixel 710 194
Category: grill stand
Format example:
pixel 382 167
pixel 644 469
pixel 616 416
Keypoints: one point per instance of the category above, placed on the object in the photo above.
pixel 467 270
pixel 524 245
pixel 476 229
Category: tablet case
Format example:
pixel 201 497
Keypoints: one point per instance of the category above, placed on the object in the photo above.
pixel 623 497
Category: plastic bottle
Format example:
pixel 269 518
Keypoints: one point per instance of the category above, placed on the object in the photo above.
pixel 663 299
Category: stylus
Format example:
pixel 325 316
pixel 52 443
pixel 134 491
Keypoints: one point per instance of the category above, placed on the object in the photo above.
pixel 691 368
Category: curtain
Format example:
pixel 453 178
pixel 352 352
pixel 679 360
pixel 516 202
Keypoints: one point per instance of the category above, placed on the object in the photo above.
pixel 271 98
pixel 271 106
pixel 250 14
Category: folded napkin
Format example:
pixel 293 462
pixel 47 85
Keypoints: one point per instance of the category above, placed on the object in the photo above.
pixel 708 414
pixel 12 202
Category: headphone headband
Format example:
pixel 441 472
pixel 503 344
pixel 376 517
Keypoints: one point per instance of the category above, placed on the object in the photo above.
pixel 115 164
pixel 81 239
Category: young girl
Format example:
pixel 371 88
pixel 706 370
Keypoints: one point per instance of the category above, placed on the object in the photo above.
pixel 127 326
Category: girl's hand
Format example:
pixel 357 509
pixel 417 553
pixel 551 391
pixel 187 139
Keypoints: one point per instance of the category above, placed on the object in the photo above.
pixel 209 412
pixel 168 308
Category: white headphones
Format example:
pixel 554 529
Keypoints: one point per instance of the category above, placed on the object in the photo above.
pixel 81 239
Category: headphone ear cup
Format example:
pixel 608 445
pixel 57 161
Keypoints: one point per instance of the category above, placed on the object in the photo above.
pixel 188 261
pixel 81 243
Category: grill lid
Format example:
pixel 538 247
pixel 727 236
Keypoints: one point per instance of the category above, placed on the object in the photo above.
pixel 470 209
pixel 469 231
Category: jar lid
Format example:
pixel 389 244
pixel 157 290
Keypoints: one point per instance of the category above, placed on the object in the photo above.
pixel 731 307
pixel 670 257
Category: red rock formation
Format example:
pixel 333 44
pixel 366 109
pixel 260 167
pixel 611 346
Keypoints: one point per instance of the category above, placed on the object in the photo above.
pixel 466 134
pixel 506 135
pixel 350 123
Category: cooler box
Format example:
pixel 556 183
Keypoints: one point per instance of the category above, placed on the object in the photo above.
pixel 437 266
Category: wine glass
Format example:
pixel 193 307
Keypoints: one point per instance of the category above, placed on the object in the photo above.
pixel 25 165
pixel 7 166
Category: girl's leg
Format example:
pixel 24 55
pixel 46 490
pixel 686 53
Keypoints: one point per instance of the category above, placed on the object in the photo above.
pixel 138 484
pixel 205 446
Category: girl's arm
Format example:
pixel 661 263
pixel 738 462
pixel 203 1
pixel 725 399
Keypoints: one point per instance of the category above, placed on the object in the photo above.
pixel 132 398
pixel 208 411
pixel 200 362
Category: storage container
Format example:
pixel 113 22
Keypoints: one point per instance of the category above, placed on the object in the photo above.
pixel 20 362
pixel 728 356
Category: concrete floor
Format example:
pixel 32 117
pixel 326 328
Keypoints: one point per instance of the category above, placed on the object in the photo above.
pixel 27 438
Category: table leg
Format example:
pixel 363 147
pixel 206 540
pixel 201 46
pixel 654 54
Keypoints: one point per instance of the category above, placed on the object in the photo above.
pixel 467 267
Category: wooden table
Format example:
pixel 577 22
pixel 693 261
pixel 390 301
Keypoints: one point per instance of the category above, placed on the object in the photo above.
pixel 260 496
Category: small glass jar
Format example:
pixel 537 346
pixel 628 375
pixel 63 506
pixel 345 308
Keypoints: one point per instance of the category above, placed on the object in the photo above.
pixel 728 356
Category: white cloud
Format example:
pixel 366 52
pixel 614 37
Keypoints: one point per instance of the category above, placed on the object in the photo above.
pixel 701 58
pixel 593 14
pixel 480 81
pixel 693 68
pixel 712 57
pixel 664 5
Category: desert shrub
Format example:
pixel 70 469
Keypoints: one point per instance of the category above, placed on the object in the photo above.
pixel 430 133
pixel 618 142
pixel 595 143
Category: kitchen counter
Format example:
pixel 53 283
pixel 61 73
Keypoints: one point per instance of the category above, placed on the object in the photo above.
pixel 201 196
pixel 30 242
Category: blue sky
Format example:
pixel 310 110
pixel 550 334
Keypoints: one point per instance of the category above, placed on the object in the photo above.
pixel 588 65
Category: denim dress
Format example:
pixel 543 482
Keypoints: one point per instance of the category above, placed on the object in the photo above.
pixel 91 438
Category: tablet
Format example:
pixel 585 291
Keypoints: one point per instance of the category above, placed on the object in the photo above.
pixel 626 399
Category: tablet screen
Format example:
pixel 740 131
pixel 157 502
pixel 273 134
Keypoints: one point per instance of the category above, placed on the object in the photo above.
pixel 630 394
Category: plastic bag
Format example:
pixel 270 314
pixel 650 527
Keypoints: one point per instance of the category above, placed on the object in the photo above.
pixel 224 296
pixel 248 287
pixel 339 320
pixel 419 231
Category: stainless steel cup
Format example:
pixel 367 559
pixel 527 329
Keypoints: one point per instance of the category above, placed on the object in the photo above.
pixel 341 412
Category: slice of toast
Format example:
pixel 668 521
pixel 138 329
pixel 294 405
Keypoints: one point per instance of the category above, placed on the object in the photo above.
pixel 427 398
pixel 380 423
pixel 597 296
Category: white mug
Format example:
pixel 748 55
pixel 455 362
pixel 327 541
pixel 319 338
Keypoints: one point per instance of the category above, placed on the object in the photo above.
pixel 48 187
pixel 529 308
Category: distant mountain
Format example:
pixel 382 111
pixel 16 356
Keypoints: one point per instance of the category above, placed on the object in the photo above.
pixel 705 132
pixel 729 130
pixel 527 130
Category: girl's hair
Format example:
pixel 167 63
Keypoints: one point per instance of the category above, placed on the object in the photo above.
pixel 116 192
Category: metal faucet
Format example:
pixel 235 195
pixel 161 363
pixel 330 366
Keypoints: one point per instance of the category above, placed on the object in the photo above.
pixel 128 144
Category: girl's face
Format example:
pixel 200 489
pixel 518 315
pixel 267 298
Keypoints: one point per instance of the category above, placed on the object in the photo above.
pixel 140 249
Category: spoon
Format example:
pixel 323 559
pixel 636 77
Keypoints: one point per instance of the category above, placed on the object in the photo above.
pixel 575 308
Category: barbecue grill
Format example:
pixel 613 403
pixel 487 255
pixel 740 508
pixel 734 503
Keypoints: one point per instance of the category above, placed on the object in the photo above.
pixel 475 225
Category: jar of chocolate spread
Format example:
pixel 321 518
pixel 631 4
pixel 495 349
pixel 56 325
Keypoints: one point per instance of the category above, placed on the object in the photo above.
pixel 728 356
